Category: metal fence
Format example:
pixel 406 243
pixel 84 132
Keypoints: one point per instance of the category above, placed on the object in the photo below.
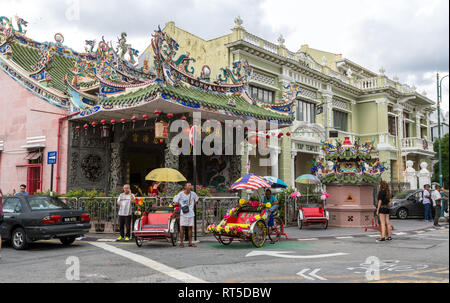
pixel 104 210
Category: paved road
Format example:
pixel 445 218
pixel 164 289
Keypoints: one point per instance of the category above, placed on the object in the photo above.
pixel 411 257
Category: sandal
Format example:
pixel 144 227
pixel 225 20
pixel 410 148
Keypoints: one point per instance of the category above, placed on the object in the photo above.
pixel 181 245
pixel 192 245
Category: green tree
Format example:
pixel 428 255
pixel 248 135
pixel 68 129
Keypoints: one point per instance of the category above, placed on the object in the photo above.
pixel 445 160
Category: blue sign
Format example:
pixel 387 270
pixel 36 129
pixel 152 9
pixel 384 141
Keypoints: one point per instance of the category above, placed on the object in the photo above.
pixel 51 157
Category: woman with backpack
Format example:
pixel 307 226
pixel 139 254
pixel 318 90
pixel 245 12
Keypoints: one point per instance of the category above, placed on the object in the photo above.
pixel 384 198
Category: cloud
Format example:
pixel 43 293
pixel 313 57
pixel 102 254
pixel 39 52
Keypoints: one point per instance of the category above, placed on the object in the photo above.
pixel 409 38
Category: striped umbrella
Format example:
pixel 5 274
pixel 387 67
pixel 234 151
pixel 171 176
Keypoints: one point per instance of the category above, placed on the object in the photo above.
pixel 249 181
pixel 307 179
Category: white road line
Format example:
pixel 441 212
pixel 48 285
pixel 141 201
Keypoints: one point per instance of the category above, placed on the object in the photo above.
pixel 345 237
pixel 431 229
pixel 106 240
pixel 373 236
pixel 400 233
pixel 419 231
pixel 171 272
pixel 310 239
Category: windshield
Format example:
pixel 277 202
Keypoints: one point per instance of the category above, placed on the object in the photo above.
pixel 403 194
pixel 45 203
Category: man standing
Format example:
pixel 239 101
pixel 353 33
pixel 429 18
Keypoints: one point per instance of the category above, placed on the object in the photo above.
pixel 22 191
pixel 437 199
pixel 125 209
pixel 1 221
pixel 187 199
pixel 427 203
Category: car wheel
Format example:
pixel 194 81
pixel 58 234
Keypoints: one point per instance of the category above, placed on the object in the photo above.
pixel 19 239
pixel 402 213
pixel 67 240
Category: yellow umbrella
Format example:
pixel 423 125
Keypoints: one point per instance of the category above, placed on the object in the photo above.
pixel 165 175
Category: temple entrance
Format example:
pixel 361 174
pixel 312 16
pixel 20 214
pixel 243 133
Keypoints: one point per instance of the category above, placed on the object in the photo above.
pixel 141 155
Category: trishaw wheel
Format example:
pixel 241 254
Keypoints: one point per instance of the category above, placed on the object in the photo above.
pixel 139 241
pixel 258 237
pixel 174 236
pixel 276 230
pixel 225 241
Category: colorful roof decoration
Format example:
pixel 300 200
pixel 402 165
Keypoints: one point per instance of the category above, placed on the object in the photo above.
pixel 348 162
pixel 108 78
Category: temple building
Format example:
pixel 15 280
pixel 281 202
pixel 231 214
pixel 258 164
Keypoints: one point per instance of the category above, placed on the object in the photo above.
pixel 108 113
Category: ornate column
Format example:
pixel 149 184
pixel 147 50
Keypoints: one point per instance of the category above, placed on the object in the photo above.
pixel 418 117
pixel 115 166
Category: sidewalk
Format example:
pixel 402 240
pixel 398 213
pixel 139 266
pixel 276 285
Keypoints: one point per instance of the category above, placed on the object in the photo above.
pixel 313 231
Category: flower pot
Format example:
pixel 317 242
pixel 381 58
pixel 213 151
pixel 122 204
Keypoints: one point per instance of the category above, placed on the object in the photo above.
pixel 99 227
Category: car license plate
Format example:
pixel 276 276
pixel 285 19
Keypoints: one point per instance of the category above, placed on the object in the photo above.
pixel 70 219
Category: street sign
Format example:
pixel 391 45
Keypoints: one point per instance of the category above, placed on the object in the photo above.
pixel 51 157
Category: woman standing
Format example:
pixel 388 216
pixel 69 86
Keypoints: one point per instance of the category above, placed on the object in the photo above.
pixel 384 198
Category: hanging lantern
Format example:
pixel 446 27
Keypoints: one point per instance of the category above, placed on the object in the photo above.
pixel 103 122
pixel 86 126
pixel 170 115
pixel 94 124
pixel 134 119
pixel 183 118
pixel 157 112
pixel 161 130
pixel 113 122
pixel 78 127
pixel 145 117
pixel 123 121
pixel 288 134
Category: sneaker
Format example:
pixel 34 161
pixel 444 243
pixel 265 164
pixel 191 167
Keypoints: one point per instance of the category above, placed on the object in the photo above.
pixel 381 240
pixel 389 238
pixel 119 238
pixel 436 225
pixel 127 239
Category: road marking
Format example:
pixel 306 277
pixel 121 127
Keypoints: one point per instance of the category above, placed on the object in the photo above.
pixel 372 236
pixel 431 229
pixel 309 239
pixel 169 271
pixel 419 231
pixel 400 233
pixel 106 240
pixel 282 254
pixel 312 274
pixel 345 237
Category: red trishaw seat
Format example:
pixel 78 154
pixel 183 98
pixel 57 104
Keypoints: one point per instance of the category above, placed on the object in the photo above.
pixel 155 220
pixel 313 212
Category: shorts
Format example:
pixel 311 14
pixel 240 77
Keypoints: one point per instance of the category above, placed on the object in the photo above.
pixel 384 210
pixel 186 221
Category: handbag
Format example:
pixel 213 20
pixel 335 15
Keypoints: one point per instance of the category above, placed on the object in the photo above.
pixel 185 208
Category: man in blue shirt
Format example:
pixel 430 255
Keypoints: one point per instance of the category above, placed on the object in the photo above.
pixel 22 191
pixel 269 198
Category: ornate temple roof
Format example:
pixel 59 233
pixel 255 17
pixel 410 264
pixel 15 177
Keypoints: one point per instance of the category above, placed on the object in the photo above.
pixel 108 79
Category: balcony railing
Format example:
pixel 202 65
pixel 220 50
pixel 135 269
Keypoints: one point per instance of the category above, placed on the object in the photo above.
pixel 417 144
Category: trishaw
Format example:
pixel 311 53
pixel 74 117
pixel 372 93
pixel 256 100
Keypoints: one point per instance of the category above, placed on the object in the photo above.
pixel 311 215
pixel 159 222
pixel 248 222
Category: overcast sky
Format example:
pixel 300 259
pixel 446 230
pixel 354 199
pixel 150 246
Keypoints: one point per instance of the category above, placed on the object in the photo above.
pixel 408 38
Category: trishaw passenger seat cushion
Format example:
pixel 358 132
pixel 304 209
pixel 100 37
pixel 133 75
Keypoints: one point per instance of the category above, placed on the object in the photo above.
pixel 158 218
pixel 313 211
pixel 244 217
pixel 144 220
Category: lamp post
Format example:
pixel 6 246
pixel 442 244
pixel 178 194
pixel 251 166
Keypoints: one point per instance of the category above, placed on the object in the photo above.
pixel 439 99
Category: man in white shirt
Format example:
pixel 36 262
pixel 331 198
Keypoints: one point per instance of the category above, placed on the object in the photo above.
pixel 427 203
pixel 124 202
pixel 187 199
pixel 437 198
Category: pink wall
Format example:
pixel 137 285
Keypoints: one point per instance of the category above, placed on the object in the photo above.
pixel 22 115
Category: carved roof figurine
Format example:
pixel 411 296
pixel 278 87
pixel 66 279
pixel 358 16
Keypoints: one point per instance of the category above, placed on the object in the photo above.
pixel 231 102
pixel 382 71
pixel 281 40
pixel 238 23
pixel 395 78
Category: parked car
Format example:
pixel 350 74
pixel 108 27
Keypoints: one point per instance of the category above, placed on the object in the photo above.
pixel 407 204
pixel 32 218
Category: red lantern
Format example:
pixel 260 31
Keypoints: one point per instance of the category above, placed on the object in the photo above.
pixel 94 124
pixel 145 117
pixel 267 136
pixel 161 141
pixel 78 127
pixel 113 122
pixel 103 122
pixel 86 126
pixel 183 118
pixel 207 122
pixel 123 120
pixel 288 134
pixel 170 115
pixel 133 119
pixel 157 112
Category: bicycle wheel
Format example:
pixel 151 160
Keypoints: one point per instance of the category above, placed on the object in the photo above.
pixel 276 230
pixel 258 236
pixel 225 241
